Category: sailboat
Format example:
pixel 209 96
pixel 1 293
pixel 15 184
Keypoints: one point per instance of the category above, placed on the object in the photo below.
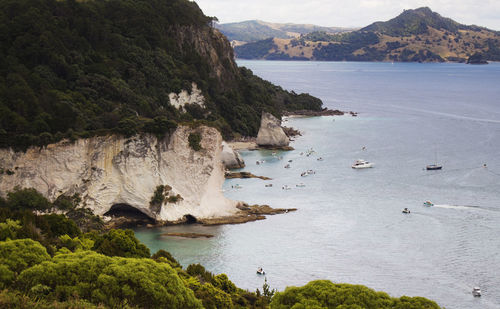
pixel 434 167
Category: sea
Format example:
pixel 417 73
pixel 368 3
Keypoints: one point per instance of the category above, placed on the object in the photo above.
pixel 349 226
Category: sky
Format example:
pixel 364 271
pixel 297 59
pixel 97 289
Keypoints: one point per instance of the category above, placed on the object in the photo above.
pixel 349 13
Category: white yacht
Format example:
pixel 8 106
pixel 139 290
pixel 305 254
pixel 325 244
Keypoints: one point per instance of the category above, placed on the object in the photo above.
pixel 362 164
pixel 476 291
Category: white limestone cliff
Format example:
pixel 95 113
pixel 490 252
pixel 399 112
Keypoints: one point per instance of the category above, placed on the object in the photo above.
pixel 270 133
pixel 230 158
pixel 113 170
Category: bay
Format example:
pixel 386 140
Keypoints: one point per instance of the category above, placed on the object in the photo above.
pixel 349 226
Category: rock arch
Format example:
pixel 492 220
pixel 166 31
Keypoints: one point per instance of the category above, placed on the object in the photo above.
pixel 129 213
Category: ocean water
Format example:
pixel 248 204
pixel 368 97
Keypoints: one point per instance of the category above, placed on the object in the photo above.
pixel 349 226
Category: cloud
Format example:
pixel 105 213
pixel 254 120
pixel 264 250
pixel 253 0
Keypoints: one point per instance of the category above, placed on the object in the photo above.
pixel 349 13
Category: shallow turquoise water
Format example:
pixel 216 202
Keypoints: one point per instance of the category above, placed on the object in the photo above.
pixel 349 226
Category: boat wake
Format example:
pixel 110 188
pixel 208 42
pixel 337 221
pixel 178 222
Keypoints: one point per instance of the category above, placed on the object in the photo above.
pixel 456 206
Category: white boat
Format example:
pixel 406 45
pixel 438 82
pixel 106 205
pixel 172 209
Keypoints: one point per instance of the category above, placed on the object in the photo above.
pixel 320 159
pixel 260 271
pixel 285 187
pixel 303 174
pixel 362 164
pixel 476 291
pixel 287 166
pixel 406 211
pixel 236 186
pixel 300 185
pixel 311 172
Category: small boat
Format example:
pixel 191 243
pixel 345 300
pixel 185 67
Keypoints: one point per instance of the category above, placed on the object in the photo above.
pixel 303 174
pixel 406 211
pixel 311 172
pixel 476 291
pixel 361 164
pixel 257 162
pixel 236 186
pixel 320 159
pixel 290 161
pixel 428 204
pixel 433 167
pixel 269 185
pixel 300 185
pixel 287 166
pixel 260 271
pixel 273 153
pixel 285 187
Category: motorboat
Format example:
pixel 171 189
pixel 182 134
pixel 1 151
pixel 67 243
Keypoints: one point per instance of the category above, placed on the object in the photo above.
pixel 300 185
pixel 433 167
pixel 257 162
pixel 236 186
pixel 362 164
pixel 260 271
pixel 269 185
pixel 476 291
pixel 320 159
pixel 303 174
pixel 406 211
pixel 290 161
pixel 287 166
pixel 311 172
pixel 285 187
pixel 428 204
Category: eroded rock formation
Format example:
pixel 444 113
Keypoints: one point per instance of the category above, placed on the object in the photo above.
pixel 271 133
pixel 230 158
pixel 112 170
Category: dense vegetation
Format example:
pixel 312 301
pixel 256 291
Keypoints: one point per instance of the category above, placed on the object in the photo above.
pixel 325 294
pixel 46 261
pixel 82 68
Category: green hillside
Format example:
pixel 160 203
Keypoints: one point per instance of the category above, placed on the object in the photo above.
pixel 419 35
pixel 80 68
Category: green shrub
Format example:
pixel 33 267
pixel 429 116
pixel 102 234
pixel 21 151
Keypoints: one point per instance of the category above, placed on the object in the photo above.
pixel 325 294
pixel 194 141
pixel 27 198
pixel 18 255
pixel 120 243
pixel 111 281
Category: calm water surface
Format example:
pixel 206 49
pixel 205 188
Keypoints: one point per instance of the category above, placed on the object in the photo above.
pixel 349 226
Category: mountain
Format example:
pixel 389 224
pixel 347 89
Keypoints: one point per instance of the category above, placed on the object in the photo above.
pixel 84 68
pixel 419 35
pixel 255 30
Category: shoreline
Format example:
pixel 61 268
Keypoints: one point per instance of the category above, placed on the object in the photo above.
pixel 245 213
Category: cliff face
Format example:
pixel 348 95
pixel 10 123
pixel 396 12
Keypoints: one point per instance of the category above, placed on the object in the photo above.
pixel 111 170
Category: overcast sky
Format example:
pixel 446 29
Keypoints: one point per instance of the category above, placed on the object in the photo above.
pixel 349 13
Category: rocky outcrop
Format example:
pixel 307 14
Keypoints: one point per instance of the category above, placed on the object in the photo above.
pixel 113 170
pixel 178 100
pixel 230 158
pixel 270 133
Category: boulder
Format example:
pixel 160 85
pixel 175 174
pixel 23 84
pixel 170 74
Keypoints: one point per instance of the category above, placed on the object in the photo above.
pixel 230 158
pixel 271 133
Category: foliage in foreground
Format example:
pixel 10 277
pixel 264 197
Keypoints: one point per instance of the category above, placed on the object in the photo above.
pixel 46 261
pixel 326 294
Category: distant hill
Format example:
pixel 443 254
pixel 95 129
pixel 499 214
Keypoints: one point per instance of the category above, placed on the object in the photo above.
pixel 255 30
pixel 419 35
